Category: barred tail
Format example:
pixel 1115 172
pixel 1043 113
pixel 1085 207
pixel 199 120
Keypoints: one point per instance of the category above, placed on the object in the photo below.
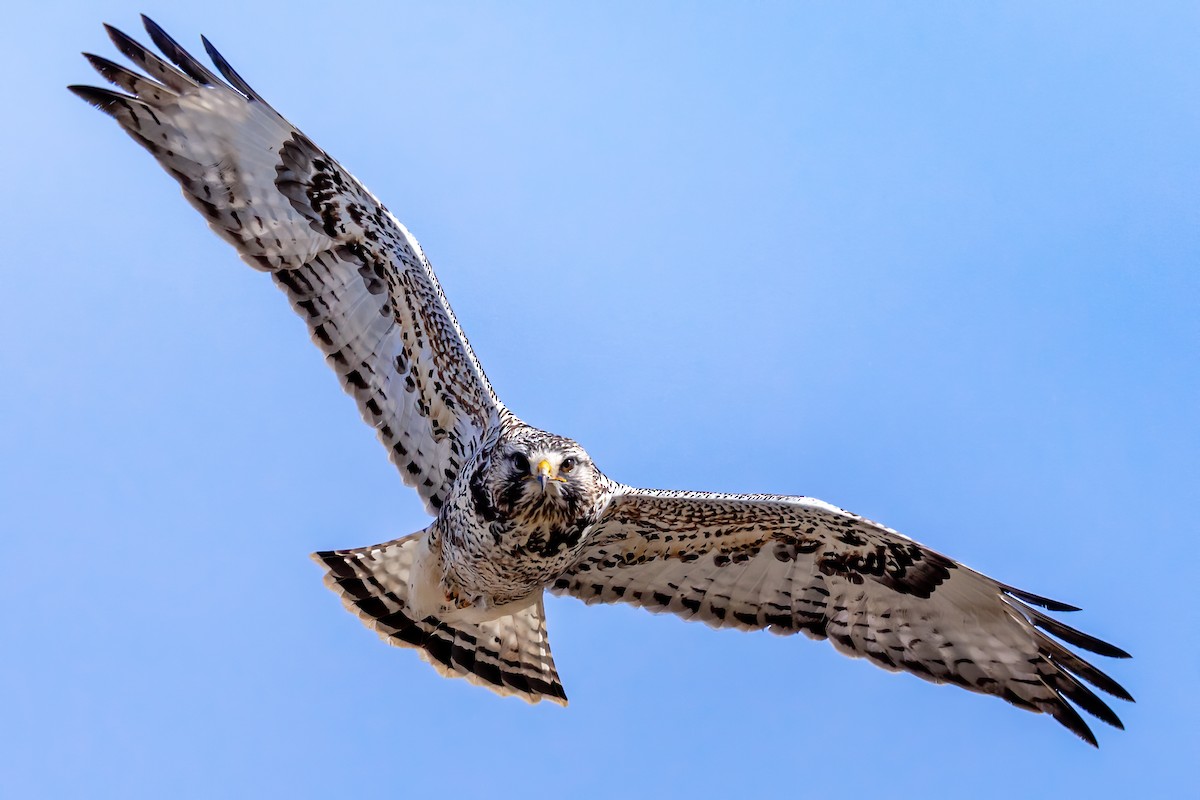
pixel 509 655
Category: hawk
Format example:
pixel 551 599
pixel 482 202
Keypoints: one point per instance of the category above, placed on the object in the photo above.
pixel 519 511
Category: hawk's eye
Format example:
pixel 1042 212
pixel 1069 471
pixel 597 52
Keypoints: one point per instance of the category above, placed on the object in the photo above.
pixel 567 465
pixel 520 462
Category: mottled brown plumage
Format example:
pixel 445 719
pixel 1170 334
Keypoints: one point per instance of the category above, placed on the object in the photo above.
pixel 518 511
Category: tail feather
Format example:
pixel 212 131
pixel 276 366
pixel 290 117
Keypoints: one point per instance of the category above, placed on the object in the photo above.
pixel 509 655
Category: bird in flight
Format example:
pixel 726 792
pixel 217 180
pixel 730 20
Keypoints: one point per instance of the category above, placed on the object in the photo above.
pixel 519 511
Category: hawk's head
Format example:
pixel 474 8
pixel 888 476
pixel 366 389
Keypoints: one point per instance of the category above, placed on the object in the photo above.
pixel 539 475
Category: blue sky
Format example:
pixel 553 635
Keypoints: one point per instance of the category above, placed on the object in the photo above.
pixel 936 264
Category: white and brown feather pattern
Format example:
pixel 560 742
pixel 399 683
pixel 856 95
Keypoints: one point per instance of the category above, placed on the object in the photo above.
pixel 509 655
pixel 789 564
pixel 374 307
pixel 356 275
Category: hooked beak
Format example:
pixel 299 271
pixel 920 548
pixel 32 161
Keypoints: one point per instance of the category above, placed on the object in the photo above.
pixel 543 473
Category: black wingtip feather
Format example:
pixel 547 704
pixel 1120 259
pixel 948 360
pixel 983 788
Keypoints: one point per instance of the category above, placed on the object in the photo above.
pixel 1069 718
pixel 1038 600
pixel 1075 637
pixel 123 77
pixel 1066 660
pixel 145 58
pixel 103 99
pixel 229 72
pixel 1069 687
pixel 178 55
pixel 100 63
pixel 124 42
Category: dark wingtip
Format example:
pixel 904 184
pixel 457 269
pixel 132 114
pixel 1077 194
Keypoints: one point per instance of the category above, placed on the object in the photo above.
pixel 1069 718
pixel 122 40
pixel 156 33
pixel 1080 639
pixel 101 64
pixel 1116 652
pixel 1071 662
pixel 1072 689
pixel 229 72
pixel 178 55
pixel 1072 635
pixel 103 99
pixel 113 72
pixel 1038 600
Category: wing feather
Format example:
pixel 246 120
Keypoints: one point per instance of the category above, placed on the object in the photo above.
pixel 795 564
pixel 355 274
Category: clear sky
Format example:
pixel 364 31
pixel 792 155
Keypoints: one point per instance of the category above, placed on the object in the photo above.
pixel 935 263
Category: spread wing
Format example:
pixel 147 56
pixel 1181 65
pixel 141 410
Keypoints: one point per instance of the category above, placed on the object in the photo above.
pixel 350 269
pixel 790 564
